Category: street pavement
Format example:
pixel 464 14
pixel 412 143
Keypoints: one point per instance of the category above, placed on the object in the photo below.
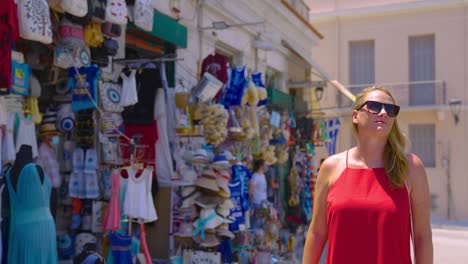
pixel 450 245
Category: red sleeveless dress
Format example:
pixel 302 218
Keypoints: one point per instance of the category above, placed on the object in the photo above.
pixel 368 220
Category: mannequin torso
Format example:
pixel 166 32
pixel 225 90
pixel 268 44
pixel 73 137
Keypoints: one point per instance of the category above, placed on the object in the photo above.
pixel 23 157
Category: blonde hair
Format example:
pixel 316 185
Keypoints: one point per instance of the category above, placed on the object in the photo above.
pixel 395 160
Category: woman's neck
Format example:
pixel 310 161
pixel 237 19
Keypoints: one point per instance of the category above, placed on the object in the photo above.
pixel 370 152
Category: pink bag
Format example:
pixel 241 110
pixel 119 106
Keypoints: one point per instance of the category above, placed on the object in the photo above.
pixel 111 30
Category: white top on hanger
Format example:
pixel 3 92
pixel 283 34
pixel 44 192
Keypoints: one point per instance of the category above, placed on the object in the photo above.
pixel 138 199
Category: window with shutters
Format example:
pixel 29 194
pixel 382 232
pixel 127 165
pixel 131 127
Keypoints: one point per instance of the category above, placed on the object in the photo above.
pixel 422 137
pixel 422 70
pixel 361 64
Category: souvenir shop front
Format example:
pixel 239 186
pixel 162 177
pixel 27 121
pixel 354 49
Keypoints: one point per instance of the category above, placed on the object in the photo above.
pixel 225 125
pixel 84 129
pixel 116 162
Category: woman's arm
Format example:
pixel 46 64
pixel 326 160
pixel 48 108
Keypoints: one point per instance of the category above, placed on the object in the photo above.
pixel 318 230
pixel 420 205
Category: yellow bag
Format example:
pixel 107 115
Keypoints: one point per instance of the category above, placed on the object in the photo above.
pixel 93 34
pixel 32 107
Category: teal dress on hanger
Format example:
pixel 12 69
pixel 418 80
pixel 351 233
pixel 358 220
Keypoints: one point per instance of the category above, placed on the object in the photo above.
pixel 32 237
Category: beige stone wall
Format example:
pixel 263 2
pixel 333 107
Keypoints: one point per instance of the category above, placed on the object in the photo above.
pixel 390 31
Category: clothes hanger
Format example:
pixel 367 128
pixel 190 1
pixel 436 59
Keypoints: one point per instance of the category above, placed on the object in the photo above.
pixel 137 166
pixel 149 65
pixel 126 70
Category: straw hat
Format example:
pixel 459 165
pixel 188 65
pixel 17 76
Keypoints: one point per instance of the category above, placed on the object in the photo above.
pixel 212 218
pixel 208 201
pixel 188 196
pixel 47 129
pixel 225 214
pixel 225 173
pixel 220 161
pixel 227 204
pixel 189 176
pixel 222 179
pixel 226 194
pixel 223 231
pixel 207 181
pixel 210 240
pixel 200 156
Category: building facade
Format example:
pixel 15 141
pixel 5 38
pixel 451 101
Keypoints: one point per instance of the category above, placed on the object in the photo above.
pixel 418 50
pixel 273 37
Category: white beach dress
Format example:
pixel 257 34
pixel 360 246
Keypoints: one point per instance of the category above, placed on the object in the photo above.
pixel 129 94
pixel 138 198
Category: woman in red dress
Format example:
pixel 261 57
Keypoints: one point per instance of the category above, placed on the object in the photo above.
pixel 363 195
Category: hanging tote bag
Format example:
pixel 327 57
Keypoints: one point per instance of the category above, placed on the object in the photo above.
pixel 110 96
pixel 63 56
pixel 71 34
pixel 116 12
pixel 77 8
pixel 34 20
pixel 98 10
pixel 143 14
pixel 93 36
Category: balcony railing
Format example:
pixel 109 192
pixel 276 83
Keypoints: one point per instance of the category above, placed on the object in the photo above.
pixel 300 7
pixel 412 94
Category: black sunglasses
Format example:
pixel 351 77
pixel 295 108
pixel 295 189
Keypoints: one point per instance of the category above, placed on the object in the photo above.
pixel 375 107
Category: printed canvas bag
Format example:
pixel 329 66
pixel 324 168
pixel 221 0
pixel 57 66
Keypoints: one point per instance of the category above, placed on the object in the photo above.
pixel 116 12
pixel 111 152
pixel 77 8
pixel 111 123
pixel 110 96
pixel 34 20
pixel 143 14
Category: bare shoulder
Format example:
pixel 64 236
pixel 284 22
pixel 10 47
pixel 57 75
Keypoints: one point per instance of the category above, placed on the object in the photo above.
pixel 332 167
pixel 416 170
pixel 415 164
